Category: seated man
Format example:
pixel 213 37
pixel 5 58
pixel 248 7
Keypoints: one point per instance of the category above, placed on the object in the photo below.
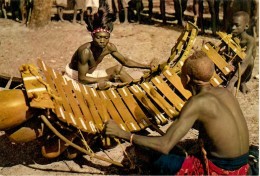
pixel 239 28
pixel 223 132
pixel 87 57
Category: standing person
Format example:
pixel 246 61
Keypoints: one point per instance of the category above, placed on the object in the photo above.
pixel 116 9
pixel 88 56
pixel 239 27
pixel 179 7
pixel 223 132
pixel 214 12
pixel 79 5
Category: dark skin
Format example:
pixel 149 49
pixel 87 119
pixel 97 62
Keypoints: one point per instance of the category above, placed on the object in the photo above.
pixel 214 12
pixel 239 27
pixel 89 55
pixel 221 121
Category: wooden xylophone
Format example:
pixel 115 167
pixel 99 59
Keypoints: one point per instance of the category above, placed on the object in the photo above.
pixel 151 101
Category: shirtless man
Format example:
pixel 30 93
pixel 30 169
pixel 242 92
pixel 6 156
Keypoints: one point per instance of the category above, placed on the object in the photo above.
pixel 222 127
pixel 239 27
pixel 87 57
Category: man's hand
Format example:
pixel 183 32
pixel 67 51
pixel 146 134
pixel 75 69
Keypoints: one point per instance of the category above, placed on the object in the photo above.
pixel 112 129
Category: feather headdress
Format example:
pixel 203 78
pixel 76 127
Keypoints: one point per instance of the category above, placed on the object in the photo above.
pixel 101 21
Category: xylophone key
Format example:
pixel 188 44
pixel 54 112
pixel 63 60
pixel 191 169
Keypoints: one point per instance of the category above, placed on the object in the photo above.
pixel 134 108
pixel 141 96
pixel 123 110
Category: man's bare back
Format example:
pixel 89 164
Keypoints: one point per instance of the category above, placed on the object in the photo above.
pixel 220 111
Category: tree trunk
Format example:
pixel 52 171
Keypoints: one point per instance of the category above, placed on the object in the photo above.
pixel 41 13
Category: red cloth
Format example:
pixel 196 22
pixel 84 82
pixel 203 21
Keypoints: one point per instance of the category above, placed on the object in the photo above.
pixel 194 166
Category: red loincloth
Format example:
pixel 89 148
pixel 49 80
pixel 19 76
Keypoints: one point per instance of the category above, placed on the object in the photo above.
pixel 194 166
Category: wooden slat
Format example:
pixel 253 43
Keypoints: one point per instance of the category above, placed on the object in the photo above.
pixel 231 43
pixel 102 110
pixel 87 119
pixel 112 110
pixel 216 80
pixel 175 80
pixel 123 110
pixel 76 115
pixel 35 89
pixel 134 108
pixel 97 119
pixel 160 101
pixel 58 107
pixel 217 59
pixel 66 110
pixel 168 92
pixel 140 95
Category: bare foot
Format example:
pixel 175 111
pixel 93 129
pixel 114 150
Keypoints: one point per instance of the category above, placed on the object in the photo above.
pixel 117 22
pixel 244 89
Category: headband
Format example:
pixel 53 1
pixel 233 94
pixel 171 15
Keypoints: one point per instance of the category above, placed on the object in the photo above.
pixel 100 30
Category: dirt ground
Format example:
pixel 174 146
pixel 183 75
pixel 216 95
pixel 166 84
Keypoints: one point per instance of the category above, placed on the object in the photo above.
pixel 55 44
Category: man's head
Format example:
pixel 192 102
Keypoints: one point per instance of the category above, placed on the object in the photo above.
pixel 100 37
pixel 240 23
pixel 197 68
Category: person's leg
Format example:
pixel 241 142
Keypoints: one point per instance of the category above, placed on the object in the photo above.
pixel 201 21
pixel 139 9
pixel 150 5
pixel 246 76
pixel 125 7
pixel 123 76
pixel 213 16
pixel 162 10
pixel 177 9
pixel 117 10
pixel 60 13
pixel 75 12
pixel 3 9
pixel 82 16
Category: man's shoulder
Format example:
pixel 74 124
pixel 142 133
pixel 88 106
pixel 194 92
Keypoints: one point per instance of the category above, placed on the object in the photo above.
pixel 249 38
pixel 84 46
pixel 214 94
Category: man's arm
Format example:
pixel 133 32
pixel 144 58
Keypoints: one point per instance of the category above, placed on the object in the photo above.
pixel 83 68
pixel 126 61
pixel 163 144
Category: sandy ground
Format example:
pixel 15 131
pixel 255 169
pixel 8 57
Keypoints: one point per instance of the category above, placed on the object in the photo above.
pixel 55 44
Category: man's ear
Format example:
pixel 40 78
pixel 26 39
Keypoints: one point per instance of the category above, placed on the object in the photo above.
pixel 188 78
pixel 247 26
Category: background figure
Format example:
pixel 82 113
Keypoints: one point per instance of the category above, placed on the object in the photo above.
pixel 162 10
pixel 61 5
pixel 214 12
pixel 92 7
pixel 3 6
pixel 179 7
pixel 239 27
pixel 249 6
pixel 114 8
pixel 15 9
pixel 79 5
pixel 134 10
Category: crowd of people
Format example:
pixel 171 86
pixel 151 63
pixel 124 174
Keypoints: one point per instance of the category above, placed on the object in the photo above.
pixel 130 11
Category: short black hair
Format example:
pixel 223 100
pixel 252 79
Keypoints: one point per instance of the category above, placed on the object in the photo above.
pixel 199 66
